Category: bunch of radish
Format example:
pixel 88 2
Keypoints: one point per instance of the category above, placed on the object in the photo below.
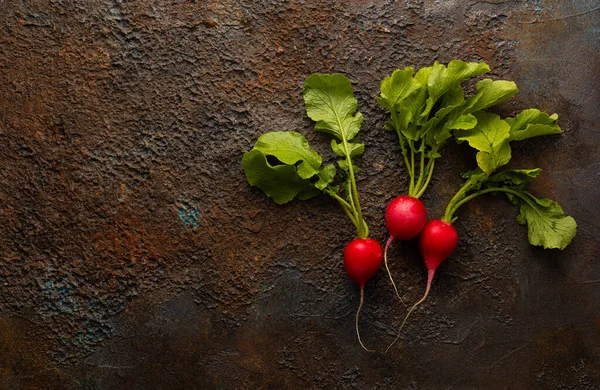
pixel 429 108
pixel 284 166
pixel 426 109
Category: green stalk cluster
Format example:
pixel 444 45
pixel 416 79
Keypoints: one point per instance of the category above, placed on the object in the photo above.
pixel 427 106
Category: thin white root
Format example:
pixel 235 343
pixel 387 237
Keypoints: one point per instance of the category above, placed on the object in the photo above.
pixel 362 298
pixel 429 280
pixel 387 245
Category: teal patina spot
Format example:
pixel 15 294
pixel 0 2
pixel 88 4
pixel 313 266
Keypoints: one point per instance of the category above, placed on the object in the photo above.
pixel 62 294
pixel 188 214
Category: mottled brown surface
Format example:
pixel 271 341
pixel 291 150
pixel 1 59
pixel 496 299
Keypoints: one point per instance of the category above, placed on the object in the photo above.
pixel 134 255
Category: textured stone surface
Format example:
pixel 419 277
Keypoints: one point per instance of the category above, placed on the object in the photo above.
pixel 134 254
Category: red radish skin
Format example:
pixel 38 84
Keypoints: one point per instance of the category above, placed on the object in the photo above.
pixel 405 217
pixel 437 242
pixel 362 259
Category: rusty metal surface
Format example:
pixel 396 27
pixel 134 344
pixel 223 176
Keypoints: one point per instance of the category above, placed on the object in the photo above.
pixel 134 254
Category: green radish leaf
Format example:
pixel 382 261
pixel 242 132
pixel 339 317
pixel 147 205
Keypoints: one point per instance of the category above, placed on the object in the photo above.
pixel 433 130
pixel 388 125
pixel 422 75
pixel 409 110
pixel 432 154
pixel 330 102
pixel 442 78
pixel 444 130
pixel 476 178
pixel 344 165
pixel 397 87
pixel 547 224
pixel 355 149
pixel 454 97
pixel 408 130
pixel 290 148
pixel 532 123
pixel 326 176
pixel 448 112
pixel 417 103
pixel 463 122
pixel 489 93
pixel 490 161
pixel 490 138
pixel 400 94
pixel 282 183
pixel 516 178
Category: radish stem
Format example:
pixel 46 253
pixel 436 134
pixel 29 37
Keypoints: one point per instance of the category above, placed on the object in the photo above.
pixel 401 142
pixel 411 187
pixel 430 274
pixel 421 169
pixel 429 170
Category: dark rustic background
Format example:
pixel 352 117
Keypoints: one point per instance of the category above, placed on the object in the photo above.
pixel 134 254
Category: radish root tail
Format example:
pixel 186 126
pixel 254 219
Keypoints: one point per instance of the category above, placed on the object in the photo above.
pixel 387 245
pixel 429 280
pixel 362 299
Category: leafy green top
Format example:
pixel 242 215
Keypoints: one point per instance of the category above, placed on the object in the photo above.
pixel 330 102
pixel 427 106
pixel 547 224
pixel 284 166
pixel 289 174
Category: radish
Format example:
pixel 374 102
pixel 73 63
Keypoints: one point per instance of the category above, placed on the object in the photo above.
pixel 405 217
pixel 284 166
pixel 362 259
pixel 437 242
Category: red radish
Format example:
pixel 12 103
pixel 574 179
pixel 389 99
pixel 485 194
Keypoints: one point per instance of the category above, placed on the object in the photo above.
pixel 405 217
pixel 362 259
pixel 437 242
